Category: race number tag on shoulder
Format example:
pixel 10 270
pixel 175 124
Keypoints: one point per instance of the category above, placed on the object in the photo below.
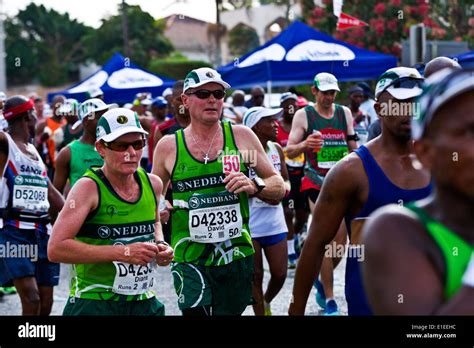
pixel 231 163
pixel 214 217
pixel 30 193
pixel 133 279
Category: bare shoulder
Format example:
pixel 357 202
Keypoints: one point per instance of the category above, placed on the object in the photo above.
pixel 156 183
pixel 167 143
pixel 244 137
pixel 84 193
pixel 348 172
pixel 64 155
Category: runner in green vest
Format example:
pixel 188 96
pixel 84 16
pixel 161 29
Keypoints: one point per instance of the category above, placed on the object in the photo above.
pixel 73 161
pixel 325 134
pixel 207 164
pixel 109 228
pixel 420 258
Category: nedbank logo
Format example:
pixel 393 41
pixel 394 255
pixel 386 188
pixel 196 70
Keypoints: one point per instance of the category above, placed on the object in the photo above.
pixel 194 203
pixel 104 232
pixel 199 182
pixel 19 180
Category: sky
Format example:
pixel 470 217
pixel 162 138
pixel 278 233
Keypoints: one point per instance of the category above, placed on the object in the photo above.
pixel 90 12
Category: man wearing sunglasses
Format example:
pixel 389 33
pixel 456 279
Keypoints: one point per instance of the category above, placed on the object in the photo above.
pixel 424 251
pixel 110 228
pixel 208 164
pixel 380 172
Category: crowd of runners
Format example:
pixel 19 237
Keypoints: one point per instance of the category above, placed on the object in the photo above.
pixel 210 186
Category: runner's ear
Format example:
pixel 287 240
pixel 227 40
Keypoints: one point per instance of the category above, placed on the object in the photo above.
pixel 425 152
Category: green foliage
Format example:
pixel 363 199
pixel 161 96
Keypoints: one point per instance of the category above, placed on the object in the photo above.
pixel 45 44
pixel 389 21
pixel 175 67
pixel 242 40
pixel 146 38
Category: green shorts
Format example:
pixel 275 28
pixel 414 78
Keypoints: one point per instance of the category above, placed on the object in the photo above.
pixel 228 289
pixel 81 306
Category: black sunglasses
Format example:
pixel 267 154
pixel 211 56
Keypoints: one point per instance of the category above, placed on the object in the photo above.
pixel 205 93
pixel 406 82
pixel 122 146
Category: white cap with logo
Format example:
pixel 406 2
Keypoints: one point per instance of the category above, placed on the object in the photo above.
pixel 326 82
pixel 201 76
pixel 90 106
pixel 256 113
pixel 402 83
pixel 117 122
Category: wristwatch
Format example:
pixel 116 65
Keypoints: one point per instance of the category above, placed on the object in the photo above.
pixel 259 183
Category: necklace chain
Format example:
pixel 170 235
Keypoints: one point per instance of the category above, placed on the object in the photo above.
pixel 206 154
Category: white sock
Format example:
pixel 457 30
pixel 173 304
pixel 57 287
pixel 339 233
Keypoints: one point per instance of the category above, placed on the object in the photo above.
pixel 329 299
pixel 291 246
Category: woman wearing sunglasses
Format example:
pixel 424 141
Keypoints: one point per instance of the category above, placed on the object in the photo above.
pixel 110 229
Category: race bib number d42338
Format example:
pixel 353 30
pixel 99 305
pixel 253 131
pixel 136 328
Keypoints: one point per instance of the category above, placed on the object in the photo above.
pixel 214 217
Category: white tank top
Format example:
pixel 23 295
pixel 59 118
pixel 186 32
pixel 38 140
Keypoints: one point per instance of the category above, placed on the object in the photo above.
pixel 24 188
pixel 265 219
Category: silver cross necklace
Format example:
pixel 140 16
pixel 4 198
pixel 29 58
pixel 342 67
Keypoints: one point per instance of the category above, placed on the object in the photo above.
pixel 206 154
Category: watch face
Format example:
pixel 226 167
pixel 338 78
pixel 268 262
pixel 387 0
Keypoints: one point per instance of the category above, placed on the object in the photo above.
pixel 259 182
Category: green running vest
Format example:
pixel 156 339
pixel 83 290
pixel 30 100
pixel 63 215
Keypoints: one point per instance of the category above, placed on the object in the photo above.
pixel 116 221
pixel 456 252
pixel 83 156
pixel 209 224
pixel 334 134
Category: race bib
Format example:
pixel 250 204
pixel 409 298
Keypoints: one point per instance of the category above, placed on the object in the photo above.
pixel 231 163
pixel 30 193
pixel 214 217
pixel 334 148
pixel 133 279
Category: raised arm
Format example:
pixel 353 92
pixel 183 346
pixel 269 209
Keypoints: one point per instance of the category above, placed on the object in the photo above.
pixel 296 142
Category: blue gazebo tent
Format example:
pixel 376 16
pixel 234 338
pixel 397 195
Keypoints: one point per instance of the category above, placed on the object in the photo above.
pixel 120 80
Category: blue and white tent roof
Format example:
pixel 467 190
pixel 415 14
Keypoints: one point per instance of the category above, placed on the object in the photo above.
pixel 297 54
pixel 120 80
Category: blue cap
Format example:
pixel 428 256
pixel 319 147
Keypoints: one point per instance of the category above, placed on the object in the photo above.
pixel 159 102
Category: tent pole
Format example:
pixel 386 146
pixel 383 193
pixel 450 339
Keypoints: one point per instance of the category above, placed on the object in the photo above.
pixel 269 91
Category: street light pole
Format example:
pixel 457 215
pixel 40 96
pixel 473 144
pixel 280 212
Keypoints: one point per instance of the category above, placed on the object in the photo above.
pixel 218 33
pixel 126 46
pixel 3 74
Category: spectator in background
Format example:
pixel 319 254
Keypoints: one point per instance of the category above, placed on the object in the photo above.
pixel 361 119
pixel 168 95
pixel 96 93
pixel 258 97
pixel 367 104
pixel 3 122
pixel 39 107
pixel 234 112
pixel 69 110
pixel 45 134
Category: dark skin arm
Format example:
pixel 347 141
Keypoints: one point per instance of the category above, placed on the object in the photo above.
pixel 61 173
pixel 3 151
pixel 338 193
pixel 56 201
pixel 400 272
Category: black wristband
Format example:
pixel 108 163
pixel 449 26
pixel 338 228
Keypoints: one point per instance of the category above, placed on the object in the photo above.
pixel 354 137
